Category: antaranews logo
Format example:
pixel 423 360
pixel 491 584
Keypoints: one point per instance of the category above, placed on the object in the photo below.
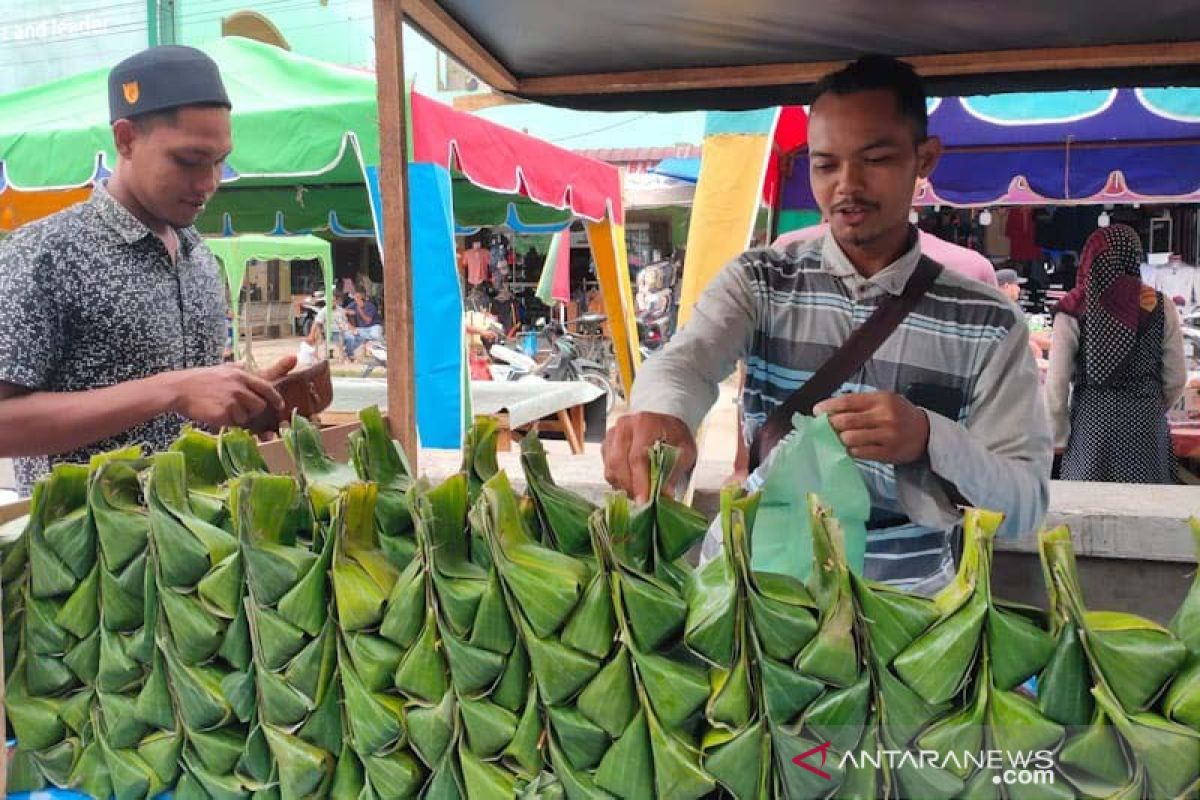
pixel 1030 768
pixel 802 760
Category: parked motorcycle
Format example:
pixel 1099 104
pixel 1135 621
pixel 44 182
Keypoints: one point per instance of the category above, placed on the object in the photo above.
pixel 310 307
pixel 564 364
pixel 374 355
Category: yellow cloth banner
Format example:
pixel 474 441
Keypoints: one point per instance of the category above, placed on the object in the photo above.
pixel 607 242
pixel 724 209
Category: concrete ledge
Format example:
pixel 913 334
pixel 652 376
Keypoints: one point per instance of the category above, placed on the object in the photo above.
pixel 1120 520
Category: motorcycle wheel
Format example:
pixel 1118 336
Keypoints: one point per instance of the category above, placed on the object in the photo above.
pixel 601 382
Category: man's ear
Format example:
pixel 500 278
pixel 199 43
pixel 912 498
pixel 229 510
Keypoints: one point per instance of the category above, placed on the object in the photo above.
pixel 124 132
pixel 928 153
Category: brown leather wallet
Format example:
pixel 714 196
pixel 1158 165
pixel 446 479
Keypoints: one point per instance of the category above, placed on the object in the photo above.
pixel 307 391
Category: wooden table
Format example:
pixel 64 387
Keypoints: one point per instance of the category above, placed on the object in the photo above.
pixel 569 422
pixel 527 405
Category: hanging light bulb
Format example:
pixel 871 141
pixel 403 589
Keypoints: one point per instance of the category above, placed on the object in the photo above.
pixel 985 217
pixel 1103 220
pixel 937 208
pixel 913 216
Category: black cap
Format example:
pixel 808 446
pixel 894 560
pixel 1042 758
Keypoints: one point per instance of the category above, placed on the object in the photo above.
pixel 162 78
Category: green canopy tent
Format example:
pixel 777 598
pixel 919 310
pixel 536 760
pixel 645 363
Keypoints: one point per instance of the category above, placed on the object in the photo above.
pixel 236 252
pixel 303 129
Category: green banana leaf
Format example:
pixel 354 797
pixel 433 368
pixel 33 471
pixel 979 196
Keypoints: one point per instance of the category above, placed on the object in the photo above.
pixel 206 473
pixel 731 703
pixel 432 729
pixel 677 527
pixel 459 584
pixel 1136 656
pixel 1169 753
pixel 795 782
pixel 545 584
pixel 564 514
pixel 656 611
pixel 892 619
pixel 939 662
pixel 422 673
pixel 627 769
pixel 1182 700
pixel 237 450
pixel 379 459
pixel 321 476
pixel 832 654
pixel 610 698
pixel 592 627
pixel 582 741
pixel 677 770
pixel 785 691
pixel 1064 688
pixel 560 671
pixel 489 727
pixel 363 578
pixel 577 784
pixel 711 595
pixel 524 752
pixel 959 737
pixel 840 716
pixel 1093 759
pixel 479 454
pixel 862 780
pixel 1186 622
pixel 186 546
pixel 903 712
pixel 740 763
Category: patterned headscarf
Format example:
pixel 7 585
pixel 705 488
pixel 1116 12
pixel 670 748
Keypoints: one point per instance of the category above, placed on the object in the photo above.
pixel 1107 294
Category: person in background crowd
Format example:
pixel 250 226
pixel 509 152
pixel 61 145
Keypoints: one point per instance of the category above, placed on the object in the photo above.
pixel 338 335
pixel 482 331
pixel 364 314
pixel 1116 366
pixel 1009 281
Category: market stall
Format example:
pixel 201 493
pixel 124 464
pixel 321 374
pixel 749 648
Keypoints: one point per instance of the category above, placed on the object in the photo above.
pixel 307 159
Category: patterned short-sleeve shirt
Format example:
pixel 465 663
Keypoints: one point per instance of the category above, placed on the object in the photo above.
pixel 89 298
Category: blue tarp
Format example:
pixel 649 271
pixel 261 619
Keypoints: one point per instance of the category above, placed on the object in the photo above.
pixel 683 169
pixel 436 302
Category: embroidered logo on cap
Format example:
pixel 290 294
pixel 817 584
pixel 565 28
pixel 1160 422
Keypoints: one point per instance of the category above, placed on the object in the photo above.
pixel 132 92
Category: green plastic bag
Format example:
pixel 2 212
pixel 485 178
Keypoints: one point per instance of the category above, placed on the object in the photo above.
pixel 813 460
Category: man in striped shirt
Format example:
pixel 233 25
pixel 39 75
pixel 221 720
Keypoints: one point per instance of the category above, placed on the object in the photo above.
pixel 945 413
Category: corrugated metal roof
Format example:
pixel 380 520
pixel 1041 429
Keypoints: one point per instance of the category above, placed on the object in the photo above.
pixel 640 159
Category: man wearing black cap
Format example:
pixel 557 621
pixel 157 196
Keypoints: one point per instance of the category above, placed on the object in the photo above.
pixel 112 312
pixel 1010 282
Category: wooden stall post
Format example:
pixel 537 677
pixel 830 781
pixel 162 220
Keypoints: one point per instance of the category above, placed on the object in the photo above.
pixel 397 251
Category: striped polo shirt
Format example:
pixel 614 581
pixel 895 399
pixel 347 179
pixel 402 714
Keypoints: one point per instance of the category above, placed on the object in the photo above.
pixel 785 312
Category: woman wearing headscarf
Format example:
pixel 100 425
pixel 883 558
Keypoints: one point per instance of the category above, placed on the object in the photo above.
pixel 1117 354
